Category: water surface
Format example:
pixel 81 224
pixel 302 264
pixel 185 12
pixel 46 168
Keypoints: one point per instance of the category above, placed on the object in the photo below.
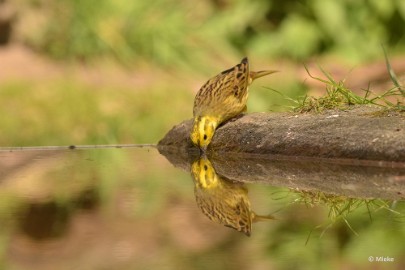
pixel 130 208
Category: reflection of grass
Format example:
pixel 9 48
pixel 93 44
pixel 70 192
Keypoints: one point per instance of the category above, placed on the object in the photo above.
pixel 295 240
pixel 340 207
pixel 339 97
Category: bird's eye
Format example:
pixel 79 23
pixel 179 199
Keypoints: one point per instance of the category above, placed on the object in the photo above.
pixel 205 167
pixel 205 136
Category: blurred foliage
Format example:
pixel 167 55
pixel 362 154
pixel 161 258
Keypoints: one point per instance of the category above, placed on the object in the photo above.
pixel 66 112
pixel 185 32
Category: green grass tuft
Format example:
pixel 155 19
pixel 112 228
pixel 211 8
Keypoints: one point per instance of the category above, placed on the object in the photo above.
pixel 340 97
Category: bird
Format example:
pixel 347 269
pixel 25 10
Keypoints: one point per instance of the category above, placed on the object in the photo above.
pixel 221 98
pixel 221 200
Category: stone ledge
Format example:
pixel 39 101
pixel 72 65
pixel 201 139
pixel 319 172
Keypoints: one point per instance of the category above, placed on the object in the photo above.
pixel 359 133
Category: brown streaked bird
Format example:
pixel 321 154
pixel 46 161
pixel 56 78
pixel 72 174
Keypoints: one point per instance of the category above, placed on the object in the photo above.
pixel 220 99
pixel 221 200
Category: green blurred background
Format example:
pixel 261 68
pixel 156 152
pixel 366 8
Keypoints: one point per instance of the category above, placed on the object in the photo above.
pixel 104 72
pixel 172 33
pixel 125 71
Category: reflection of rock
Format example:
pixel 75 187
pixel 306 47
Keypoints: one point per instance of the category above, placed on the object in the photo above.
pixel 354 134
pixel 351 178
pixel 221 200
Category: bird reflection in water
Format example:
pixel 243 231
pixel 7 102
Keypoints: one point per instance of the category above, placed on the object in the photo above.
pixel 222 200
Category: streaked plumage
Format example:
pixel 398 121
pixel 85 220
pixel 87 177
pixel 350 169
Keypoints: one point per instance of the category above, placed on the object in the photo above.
pixel 221 98
pixel 222 200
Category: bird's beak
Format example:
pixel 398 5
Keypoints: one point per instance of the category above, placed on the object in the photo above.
pixel 257 74
pixel 203 151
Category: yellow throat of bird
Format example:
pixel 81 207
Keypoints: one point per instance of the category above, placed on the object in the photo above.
pixel 203 130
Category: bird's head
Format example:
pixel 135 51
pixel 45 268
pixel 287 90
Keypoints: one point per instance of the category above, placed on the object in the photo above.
pixel 203 131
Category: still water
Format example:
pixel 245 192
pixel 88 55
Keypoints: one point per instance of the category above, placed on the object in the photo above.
pixel 134 208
